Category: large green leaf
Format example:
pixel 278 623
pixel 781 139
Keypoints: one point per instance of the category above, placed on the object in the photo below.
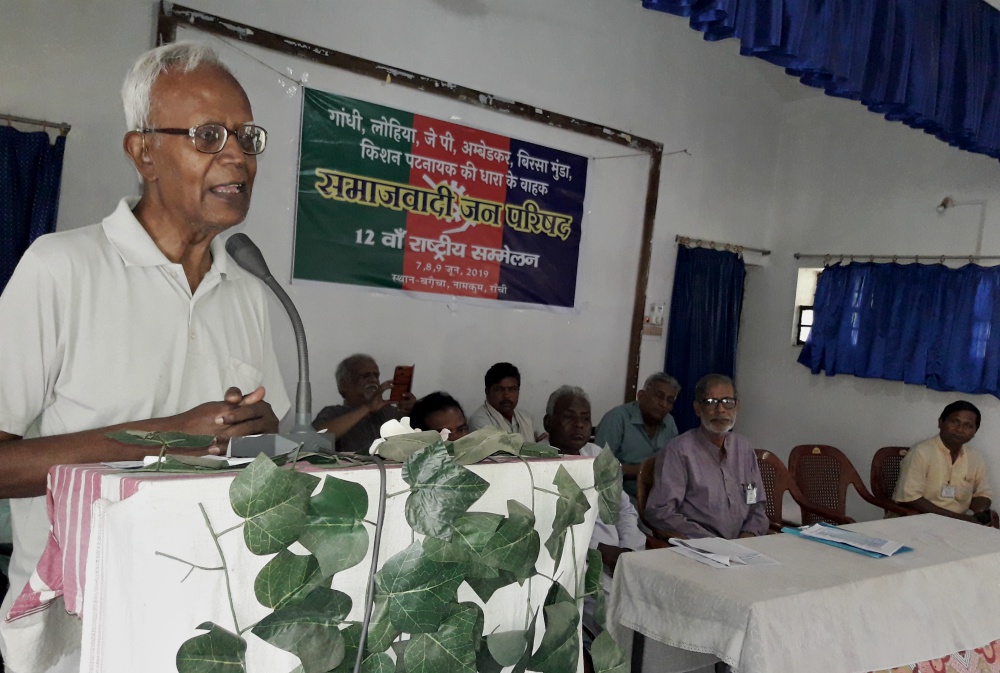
pixel 373 663
pixel 571 507
pixel 416 589
pixel 479 445
pixel 480 619
pixel 531 450
pixel 441 491
pixel 377 663
pixel 507 647
pixel 450 649
pixel 515 545
pixel 607 655
pixel 608 482
pixel 381 631
pixel 557 593
pixel 273 501
pixel 485 663
pixel 529 638
pixel 309 629
pixel 485 587
pixel 287 578
pixel 593 583
pixel 171 440
pixel 218 651
pixel 472 531
pixel 399 448
pixel 334 530
pixel 559 650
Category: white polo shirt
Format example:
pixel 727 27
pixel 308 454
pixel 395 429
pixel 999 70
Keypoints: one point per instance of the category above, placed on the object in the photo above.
pixel 98 327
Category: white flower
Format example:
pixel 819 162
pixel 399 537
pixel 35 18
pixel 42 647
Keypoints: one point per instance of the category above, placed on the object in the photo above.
pixel 391 428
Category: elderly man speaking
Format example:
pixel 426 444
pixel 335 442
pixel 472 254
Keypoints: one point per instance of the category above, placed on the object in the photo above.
pixel 141 321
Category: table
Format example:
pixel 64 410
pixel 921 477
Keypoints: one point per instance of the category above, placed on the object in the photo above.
pixel 823 610
pixel 135 606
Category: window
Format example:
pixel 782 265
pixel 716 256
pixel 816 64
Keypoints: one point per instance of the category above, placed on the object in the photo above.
pixel 802 316
pixel 803 325
pixel 925 324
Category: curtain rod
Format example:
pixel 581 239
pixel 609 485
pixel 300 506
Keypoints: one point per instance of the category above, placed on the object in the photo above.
pixel 62 128
pixel 871 258
pixel 730 247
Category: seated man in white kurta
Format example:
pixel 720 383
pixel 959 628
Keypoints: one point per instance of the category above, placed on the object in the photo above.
pixel 568 422
pixel 503 389
pixel 141 321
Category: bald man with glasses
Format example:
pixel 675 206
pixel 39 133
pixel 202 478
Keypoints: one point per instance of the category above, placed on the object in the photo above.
pixel 707 480
pixel 141 321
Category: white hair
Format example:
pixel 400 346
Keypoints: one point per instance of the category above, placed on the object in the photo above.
pixel 184 55
pixel 561 392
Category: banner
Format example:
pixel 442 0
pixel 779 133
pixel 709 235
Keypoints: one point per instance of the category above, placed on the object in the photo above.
pixel 392 199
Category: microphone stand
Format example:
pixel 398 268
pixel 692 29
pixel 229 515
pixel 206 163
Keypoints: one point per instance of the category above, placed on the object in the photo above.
pixel 249 258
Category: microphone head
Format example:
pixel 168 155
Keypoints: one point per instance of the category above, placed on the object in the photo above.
pixel 245 253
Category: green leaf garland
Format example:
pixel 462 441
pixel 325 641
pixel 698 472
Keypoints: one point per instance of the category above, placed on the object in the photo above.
pixel 218 651
pixel 440 491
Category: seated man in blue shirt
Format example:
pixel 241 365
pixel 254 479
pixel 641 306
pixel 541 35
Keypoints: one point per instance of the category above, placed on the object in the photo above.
pixel 637 430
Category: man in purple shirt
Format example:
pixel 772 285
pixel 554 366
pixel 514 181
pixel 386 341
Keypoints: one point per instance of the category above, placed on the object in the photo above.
pixel 707 480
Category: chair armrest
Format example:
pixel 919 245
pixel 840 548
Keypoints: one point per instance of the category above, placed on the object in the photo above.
pixel 656 543
pixel 819 510
pixel 888 505
pixel 664 534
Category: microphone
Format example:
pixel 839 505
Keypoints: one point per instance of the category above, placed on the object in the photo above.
pixel 248 256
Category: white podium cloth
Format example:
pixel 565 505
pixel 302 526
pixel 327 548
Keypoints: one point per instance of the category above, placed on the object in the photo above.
pixel 137 605
pixel 823 610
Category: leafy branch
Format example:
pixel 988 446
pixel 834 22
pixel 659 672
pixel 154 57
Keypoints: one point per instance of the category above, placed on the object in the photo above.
pixel 415 590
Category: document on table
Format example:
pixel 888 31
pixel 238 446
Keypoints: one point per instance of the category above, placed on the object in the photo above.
pixel 719 553
pixel 850 538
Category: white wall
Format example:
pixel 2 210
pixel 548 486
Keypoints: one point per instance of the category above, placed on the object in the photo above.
pixel 769 164
pixel 851 182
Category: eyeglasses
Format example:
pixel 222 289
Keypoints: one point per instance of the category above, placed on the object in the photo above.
pixel 726 402
pixel 211 138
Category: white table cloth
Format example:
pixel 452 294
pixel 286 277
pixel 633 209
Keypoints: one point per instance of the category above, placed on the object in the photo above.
pixel 137 607
pixel 823 610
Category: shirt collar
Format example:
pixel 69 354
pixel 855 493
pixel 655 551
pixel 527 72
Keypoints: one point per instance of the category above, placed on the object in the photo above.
pixel 941 447
pixel 635 416
pixel 128 237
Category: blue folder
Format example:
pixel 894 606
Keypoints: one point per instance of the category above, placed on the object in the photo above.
pixel 797 532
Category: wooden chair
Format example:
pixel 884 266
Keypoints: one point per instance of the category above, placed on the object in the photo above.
pixel 778 481
pixel 644 484
pixel 885 473
pixel 823 473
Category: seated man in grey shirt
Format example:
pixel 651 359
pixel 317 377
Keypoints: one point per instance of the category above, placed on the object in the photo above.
pixel 357 421
pixel 707 480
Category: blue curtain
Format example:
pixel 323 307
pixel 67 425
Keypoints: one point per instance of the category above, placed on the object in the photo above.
pixel 931 64
pixel 923 324
pixel 704 322
pixel 30 173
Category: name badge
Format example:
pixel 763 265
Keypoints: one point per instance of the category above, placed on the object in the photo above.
pixel 948 491
pixel 751 494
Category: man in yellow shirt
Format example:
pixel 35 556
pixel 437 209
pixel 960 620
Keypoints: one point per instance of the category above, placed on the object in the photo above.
pixel 942 475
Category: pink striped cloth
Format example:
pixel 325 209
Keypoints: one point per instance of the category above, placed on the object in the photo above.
pixel 61 571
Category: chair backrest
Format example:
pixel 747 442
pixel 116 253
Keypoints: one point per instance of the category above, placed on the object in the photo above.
pixel 777 480
pixel 885 470
pixel 823 473
pixel 644 484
